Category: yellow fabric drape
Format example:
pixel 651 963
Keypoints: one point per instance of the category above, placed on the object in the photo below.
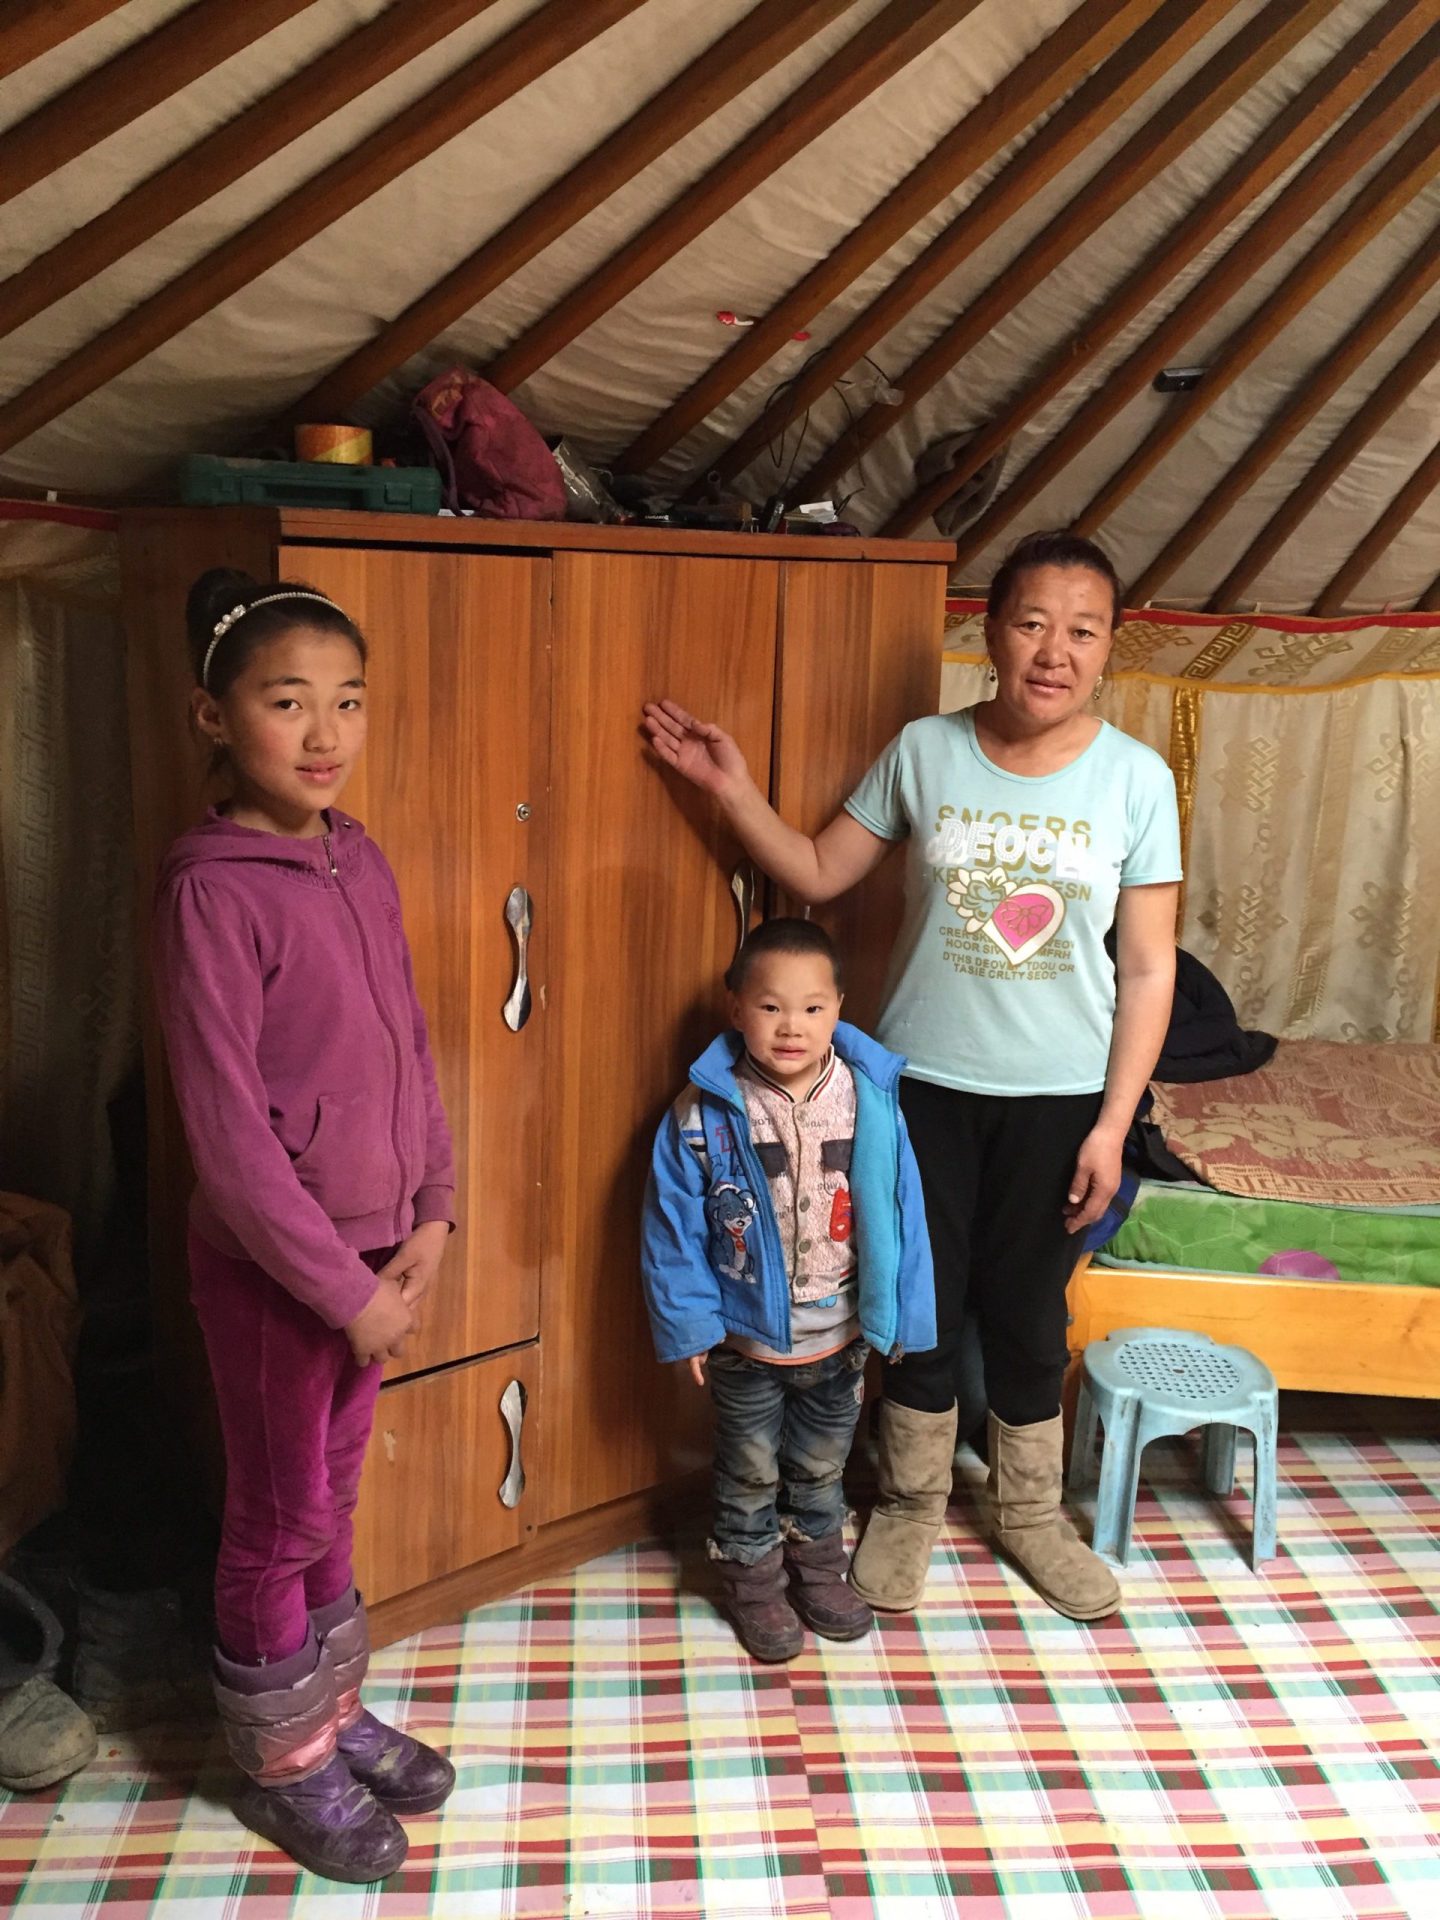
pixel 1184 751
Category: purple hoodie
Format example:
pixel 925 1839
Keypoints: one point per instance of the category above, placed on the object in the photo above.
pixel 299 1054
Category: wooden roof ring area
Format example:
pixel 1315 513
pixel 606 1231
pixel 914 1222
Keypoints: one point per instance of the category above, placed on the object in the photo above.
pixel 1165 271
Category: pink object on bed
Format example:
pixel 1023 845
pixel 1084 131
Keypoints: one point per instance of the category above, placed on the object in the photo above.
pixel 1296 1264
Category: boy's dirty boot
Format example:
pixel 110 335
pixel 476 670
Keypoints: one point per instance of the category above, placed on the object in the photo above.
pixel 1029 1527
pixel 298 1790
pixel 754 1598
pixel 818 1589
pixel 916 1466
pixel 402 1773
pixel 44 1736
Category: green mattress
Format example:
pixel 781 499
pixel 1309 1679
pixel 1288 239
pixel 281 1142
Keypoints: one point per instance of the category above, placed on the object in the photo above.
pixel 1175 1225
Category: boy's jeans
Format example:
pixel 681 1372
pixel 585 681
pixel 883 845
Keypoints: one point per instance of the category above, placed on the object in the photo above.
pixel 782 1437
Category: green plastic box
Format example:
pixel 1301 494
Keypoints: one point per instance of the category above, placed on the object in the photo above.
pixel 210 480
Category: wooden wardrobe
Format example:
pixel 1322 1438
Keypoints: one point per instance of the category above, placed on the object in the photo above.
pixel 508 665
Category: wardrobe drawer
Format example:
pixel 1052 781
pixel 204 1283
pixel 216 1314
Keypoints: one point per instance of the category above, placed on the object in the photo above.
pixel 440 1454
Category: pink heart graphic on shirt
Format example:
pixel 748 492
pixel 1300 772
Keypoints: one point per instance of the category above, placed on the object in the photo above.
pixel 1025 921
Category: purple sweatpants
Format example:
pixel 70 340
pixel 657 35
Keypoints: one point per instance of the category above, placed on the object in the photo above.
pixel 295 1415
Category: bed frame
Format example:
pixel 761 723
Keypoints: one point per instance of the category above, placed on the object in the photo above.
pixel 1327 1336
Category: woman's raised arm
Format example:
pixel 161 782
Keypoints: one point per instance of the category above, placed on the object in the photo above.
pixel 815 870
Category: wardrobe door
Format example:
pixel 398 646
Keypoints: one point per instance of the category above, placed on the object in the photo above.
pixel 644 926
pixel 453 786
pixel 445 1479
pixel 860 649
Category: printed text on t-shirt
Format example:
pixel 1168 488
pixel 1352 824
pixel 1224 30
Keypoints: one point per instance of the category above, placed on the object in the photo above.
pixel 1053 845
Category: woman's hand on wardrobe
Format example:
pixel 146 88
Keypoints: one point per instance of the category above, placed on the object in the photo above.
pixel 698 750
pixel 415 1263
pixel 383 1325
pixel 1096 1178
pixel 817 869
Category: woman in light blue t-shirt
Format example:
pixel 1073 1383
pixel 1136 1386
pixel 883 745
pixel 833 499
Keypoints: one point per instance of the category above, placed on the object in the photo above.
pixel 1031 827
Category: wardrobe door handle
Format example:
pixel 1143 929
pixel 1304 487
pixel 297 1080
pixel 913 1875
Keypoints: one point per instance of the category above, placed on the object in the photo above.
pixel 512 1411
pixel 742 888
pixel 518 915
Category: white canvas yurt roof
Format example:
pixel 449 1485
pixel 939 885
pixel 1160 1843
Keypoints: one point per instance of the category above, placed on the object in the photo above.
pixel 992 221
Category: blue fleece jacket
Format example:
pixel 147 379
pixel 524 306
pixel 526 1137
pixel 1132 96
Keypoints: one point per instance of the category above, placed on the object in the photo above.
pixel 703 1152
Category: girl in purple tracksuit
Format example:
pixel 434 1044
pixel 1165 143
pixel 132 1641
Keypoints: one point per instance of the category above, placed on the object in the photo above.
pixel 324 1199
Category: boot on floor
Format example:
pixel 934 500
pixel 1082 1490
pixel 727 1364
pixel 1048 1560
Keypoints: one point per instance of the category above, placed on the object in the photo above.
pixel 1030 1529
pixel 819 1592
pixel 754 1598
pixel 44 1736
pixel 916 1465
pixel 403 1774
pixel 298 1791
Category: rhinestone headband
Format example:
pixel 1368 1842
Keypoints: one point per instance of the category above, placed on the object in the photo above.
pixel 227 620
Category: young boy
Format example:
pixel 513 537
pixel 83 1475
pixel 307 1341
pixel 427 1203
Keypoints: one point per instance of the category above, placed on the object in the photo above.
pixel 784 1236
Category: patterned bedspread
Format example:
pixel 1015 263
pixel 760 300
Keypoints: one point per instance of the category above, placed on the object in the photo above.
pixel 1323 1121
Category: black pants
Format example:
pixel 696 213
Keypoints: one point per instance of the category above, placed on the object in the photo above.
pixel 996 1173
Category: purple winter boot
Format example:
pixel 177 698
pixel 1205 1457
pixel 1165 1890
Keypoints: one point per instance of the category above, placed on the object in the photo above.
pixel 280 1726
pixel 754 1598
pixel 403 1774
pixel 819 1591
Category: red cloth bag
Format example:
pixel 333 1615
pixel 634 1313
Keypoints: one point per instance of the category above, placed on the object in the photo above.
pixel 490 457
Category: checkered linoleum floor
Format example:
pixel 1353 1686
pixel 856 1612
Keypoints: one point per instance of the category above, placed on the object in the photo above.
pixel 1234 1746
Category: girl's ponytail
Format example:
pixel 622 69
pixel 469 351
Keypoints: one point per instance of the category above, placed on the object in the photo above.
pixel 213 595
pixel 222 631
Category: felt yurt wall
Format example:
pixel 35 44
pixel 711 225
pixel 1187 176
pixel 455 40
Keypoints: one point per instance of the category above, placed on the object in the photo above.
pixel 1306 757
pixel 647 218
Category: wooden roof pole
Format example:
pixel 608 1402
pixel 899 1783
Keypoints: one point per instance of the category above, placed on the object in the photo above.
pixel 1408 172
pixel 1199 103
pixel 878 51
pixel 333 79
pixel 32 27
pixel 1396 517
pixel 541 41
pixel 1364 424
pixel 762 37
pixel 1086 36
pixel 140 77
pixel 1370 128
pixel 1370 332
pixel 1386 40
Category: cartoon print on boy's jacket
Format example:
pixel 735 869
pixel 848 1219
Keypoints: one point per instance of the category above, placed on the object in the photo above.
pixel 728 1212
pixel 835 1156
pixel 842 1212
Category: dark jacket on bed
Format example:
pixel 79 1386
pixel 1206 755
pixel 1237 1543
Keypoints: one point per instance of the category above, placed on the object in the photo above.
pixel 1206 1040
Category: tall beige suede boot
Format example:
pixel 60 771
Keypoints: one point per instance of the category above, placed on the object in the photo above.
pixel 917 1455
pixel 1028 1526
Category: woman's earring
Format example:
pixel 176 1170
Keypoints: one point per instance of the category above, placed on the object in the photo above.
pixel 990 674
pixel 1099 683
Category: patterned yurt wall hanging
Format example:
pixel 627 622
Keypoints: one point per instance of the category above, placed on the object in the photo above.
pixel 1306 756
pixel 69 995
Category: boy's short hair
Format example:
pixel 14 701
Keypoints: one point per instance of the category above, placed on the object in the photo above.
pixel 784 934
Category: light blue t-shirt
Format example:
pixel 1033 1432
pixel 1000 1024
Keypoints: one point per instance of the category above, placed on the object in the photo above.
pixel 999 981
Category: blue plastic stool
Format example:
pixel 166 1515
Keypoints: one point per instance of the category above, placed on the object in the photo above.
pixel 1142 1382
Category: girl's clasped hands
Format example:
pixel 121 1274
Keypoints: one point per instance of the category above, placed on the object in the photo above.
pixel 381 1328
